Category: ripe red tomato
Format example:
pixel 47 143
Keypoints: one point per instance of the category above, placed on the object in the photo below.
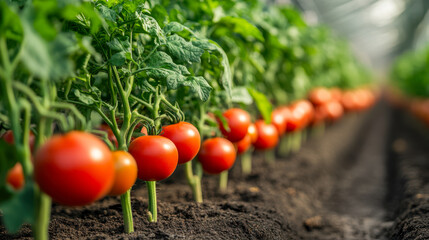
pixel 244 144
pixel 296 118
pixel 8 137
pixel 267 135
pixel 350 101
pixel 125 172
pixel 320 95
pixel 156 157
pixel 334 110
pixel 336 94
pixel 238 122
pixel 320 114
pixel 15 177
pixel 186 138
pixel 217 155
pixel 75 169
pixel 252 132
pixel 279 121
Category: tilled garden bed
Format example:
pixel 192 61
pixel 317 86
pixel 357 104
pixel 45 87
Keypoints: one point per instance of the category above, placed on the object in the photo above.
pixel 360 181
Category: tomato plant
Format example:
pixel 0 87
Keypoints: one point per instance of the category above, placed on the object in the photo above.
pixel 121 70
pixel 157 158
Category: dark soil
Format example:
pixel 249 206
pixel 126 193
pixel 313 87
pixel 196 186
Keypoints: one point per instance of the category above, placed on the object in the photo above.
pixel 366 178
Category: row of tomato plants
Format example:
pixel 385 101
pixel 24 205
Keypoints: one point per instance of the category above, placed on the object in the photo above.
pixel 409 83
pixel 159 82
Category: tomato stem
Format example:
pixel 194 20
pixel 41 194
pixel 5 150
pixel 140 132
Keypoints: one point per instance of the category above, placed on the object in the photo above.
pixel 194 181
pixel 151 188
pixel 246 162
pixel 283 148
pixel 43 214
pixel 127 212
pixel 270 156
pixel 223 181
pixel 318 130
pixel 296 142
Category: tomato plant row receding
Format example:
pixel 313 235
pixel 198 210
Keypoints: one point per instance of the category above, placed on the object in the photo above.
pixel 409 83
pixel 95 94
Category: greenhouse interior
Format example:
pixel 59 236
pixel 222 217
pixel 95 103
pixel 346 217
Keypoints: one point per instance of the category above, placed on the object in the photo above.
pixel 211 119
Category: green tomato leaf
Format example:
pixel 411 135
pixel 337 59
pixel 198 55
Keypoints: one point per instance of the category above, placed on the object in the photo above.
pixel 264 106
pixel 183 51
pixel 163 60
pixel 226 78
pixel 151 26
pixel 175 27
pixel 19 209
pixel 85 98
pixel 241 95
pixel 160 14
pixel 171 77
pixel 241 26
pixel 118 59
pixel 198 85
pixel 35 53
pixel 107 13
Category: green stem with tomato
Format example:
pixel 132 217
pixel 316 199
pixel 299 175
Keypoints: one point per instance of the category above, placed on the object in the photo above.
pixel 194 180
pixel 246 162
pixel 223 181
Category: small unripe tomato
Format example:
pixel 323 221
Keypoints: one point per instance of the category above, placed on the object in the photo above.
pixel 238 122
pixel 156 157
pixel 251 131
pixel 244 144
pixel 186 138
pixel 125 172
pixel 217 155
pixel 15 177
pixel 267 135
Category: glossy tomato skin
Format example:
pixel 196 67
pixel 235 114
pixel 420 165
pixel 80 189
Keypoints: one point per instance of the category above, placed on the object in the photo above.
pixel 217 155
pixel 334 110
pixel 238 121
pixel 186 138
pixel 251 131
pixel 125 172
pixel 296 118
pixel 267 135
pixel 15 177
pixel 336 94
pixel 244 144
pixel 156 156
pixel 279 121
pixel 75 169
pixel 320 95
